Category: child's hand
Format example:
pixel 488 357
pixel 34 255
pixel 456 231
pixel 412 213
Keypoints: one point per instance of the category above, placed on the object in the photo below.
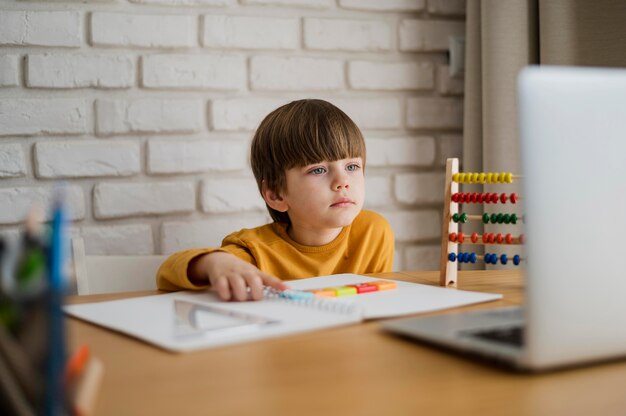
pixel 233 278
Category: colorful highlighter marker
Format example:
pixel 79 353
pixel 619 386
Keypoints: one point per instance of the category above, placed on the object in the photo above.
pixel 324 293
pixel 296 295
pixel 365 288
pixel 344 290
pixel 384 285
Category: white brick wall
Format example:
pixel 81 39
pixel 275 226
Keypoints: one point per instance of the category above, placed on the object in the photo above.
pixel 148 116
pixel 218 72
pixel 419 188
pixel 76 71
pixel 384 6
pixel 134 239
pixel 195 156
pixel 12 160
pixel 209 233
pixel 347 35
pixel 16 202
pixel 231 195
pixel 428 112
pixel 401 151
pixel 86 159
pixel 143 30
pixel 242 113
pixel 391 75
pixel 53 116
pixel 247 32
pixel 9 71
pixel 428 35
pixel 146 108
pixel 40 28
pixel 115 200
pixel 293 74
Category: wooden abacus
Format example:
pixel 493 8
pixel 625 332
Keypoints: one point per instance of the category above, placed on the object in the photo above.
pixel 450 235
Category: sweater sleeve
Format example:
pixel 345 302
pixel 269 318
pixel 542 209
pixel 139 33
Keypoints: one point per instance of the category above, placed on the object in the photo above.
pixel 173 273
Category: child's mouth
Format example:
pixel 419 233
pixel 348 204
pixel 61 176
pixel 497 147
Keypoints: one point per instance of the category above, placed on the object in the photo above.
pixel 343 202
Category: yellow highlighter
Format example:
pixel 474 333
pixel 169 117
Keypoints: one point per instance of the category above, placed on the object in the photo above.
pixel 343 290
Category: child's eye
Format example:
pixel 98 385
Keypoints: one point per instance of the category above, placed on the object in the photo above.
pixel 353 167
pixel 318 171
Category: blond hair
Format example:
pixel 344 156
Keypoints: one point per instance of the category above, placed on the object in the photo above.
pixel 297 134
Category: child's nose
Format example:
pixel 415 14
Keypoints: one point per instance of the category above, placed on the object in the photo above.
pixel 341 182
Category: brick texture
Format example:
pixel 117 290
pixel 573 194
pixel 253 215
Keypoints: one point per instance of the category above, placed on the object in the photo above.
pixel 434 113
pixel 51 116
pixel 9 71
pixel 218 72
pixel 12 160
pixel 75 71
pixel 177 236
pixel 148 116
pixel 366 75
pixel 195 156
pixel 384 6
pixel 148 31
pixel 401 151
pixel 114 200
pixel 146 110
pixel 41 28
pixel 86 159
pixel 119 240
pixel 22 199
pixel 347 35
pixel 231 195
pixel 293 74
pixel 247 32
pixel 428 35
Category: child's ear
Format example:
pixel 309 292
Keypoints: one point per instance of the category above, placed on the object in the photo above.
pixel 273 199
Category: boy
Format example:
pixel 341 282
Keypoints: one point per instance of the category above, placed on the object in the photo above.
pixel 308 158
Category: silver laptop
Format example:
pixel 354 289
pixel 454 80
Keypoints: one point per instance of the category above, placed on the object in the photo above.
pixel 573 138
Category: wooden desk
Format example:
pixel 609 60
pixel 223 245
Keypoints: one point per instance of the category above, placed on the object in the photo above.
pixel 355 370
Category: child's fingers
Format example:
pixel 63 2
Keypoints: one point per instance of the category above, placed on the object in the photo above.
pixel 222 287
pixel 274 282
pixel 238 286
pixel 255 283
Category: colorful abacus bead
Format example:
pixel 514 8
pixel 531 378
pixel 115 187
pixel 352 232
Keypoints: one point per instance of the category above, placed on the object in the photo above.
pixel 452 256
pixel 513 198
pixel 485 218
pixel 516 260
pixel 503 259
pixel 474 237
pixel 508 238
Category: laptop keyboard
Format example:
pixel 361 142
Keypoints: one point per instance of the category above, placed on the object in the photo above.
pixel 512 335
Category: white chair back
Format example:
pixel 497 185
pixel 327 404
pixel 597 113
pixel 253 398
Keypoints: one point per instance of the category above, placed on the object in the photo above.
pixel 96 274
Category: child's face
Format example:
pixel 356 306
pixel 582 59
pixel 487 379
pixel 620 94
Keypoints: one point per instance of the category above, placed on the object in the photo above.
pixel 325 195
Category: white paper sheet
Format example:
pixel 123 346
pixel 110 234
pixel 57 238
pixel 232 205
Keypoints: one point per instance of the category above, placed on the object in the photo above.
pixel 178 321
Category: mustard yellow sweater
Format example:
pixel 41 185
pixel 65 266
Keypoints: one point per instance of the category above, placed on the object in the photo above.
pixel 365 246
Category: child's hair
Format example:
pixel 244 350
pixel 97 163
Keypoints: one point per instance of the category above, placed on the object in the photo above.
pixel 297 134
